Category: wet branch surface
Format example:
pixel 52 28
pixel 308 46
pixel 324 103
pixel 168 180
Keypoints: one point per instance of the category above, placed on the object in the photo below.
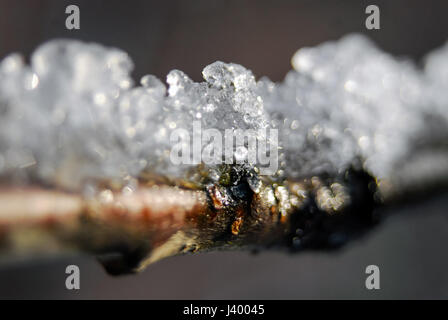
pixel 129 231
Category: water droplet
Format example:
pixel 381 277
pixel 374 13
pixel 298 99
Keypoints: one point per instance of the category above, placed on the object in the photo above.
pixel 240 154
pixel 254 183
pixel 106 196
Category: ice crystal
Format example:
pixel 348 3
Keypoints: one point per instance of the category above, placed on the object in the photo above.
pixel 74 115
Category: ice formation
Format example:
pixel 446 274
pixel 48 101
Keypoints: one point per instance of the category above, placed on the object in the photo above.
pixel 74 116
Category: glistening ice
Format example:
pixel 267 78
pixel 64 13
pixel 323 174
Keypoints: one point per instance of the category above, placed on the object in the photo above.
pixel 74 117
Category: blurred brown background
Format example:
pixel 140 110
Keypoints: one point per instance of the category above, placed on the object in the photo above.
pixel 410 248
